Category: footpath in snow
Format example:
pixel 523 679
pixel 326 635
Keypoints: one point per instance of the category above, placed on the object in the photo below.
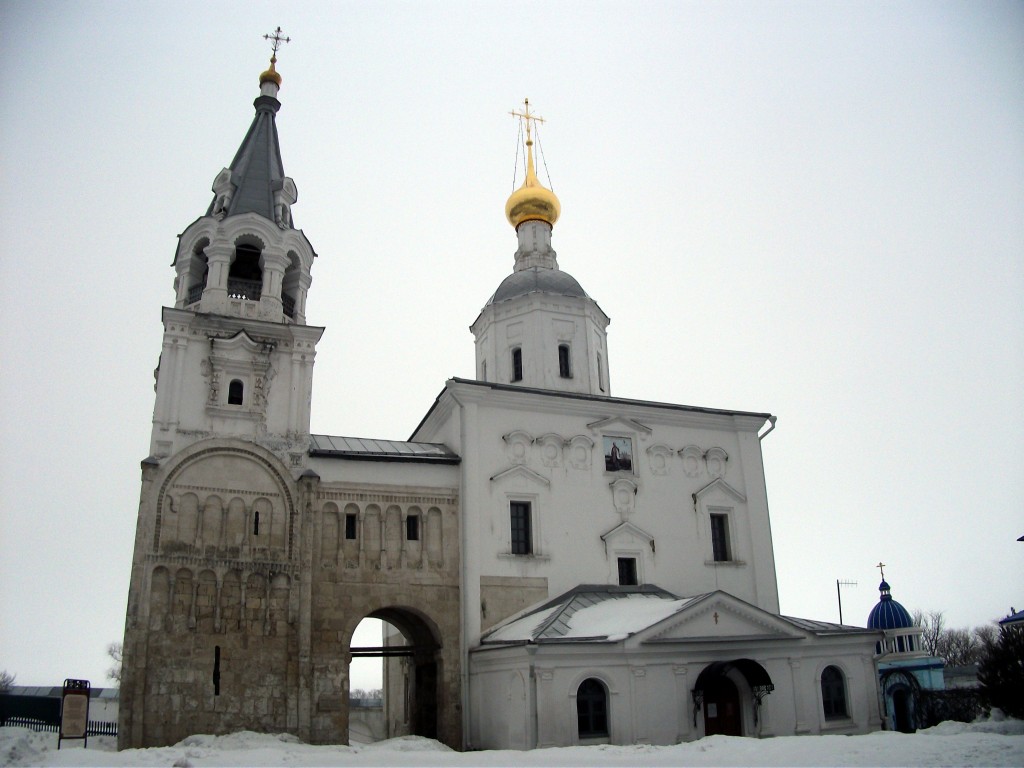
pixel 987 743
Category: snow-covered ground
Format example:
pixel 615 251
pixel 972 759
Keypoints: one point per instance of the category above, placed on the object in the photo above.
pixel 988 743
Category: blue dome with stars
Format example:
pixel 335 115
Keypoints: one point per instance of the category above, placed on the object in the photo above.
pixel 888 614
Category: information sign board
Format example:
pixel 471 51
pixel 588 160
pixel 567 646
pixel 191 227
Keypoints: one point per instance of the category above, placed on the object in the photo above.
pixel 74 711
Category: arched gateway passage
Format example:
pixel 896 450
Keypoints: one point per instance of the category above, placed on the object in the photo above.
pixel 411 672
pixel 730 694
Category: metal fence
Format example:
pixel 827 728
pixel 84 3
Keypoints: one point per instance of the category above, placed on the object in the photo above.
pixel 95 727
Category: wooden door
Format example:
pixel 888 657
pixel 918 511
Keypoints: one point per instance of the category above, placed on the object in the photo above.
pixel 722 708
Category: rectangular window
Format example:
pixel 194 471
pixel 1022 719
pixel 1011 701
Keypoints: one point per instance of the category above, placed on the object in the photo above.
pixel 720 538
pixel 564 362
pixel 627 571
pixel 522 543
pixel 412 528
pixel 517 364
pixel 350 526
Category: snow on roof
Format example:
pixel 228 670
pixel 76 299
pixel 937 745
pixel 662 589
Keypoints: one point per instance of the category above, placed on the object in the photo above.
pixel 591 613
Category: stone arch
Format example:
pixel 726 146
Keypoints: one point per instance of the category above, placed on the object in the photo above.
pixel 255 472
pixel 329 534
pixel 255 603
pixel 206 602
pixel 159 597
pixel 183 532
pixel 392 536
pixel 419 662
pixel 234 527
pixel 211 522
pixel 181 600
pixel 433 537
pixel 231 602
pixel 371 536
pixel 353 523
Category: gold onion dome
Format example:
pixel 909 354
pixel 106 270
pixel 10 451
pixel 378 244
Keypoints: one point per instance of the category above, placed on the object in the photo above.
pixel 271 75
pixel 532 201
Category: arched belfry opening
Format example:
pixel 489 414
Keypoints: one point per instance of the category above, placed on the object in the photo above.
pixel 408 651
pixel 245 278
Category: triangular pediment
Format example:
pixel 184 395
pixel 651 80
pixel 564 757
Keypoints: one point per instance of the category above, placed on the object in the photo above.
pixel 719 617
pixel 718 484
pixel 619 423
pixel 627 533
pixel 521 473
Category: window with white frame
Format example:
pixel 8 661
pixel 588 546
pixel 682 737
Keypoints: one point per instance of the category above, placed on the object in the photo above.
pixel 833 693
pixel 521 527
pixel 721 550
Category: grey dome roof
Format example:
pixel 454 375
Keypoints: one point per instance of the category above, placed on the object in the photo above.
pixel 537 280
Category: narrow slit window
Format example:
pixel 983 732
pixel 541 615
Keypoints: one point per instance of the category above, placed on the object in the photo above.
pixel 600 372
pixel 564 361
pixel 256 523
pixel 517 364
pixel 236 391
pixel 350 526
pixel 216 671
pixel 412 528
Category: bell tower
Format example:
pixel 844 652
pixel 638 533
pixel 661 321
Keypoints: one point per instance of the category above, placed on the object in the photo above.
pixel 237 357
pixel 540 329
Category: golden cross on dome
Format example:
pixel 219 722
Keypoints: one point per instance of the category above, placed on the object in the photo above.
pixel 881 567
pixel 275 41
pixel 527 116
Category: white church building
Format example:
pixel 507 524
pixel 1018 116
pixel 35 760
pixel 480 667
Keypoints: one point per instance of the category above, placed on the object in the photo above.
pixel 565 566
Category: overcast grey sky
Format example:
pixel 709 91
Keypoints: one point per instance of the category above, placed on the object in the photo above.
pixel 813 209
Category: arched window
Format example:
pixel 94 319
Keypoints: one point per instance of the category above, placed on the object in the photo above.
pixel 564 362
pixel 517 364
pixel 236 389
pixel 592 709
pixel 833 693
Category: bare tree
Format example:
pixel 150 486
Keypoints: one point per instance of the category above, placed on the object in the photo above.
pixel 116 652
pixel 958 647
pixel 933 623
pixel 6 681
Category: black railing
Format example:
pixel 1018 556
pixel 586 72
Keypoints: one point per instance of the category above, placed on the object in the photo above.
pixel 289 305
pixel 244 289
pixel 95 727
pixel 195 293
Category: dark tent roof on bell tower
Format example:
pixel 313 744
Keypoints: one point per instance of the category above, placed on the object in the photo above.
pixel 257 171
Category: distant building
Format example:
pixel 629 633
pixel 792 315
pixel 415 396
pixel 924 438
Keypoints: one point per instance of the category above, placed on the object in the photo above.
pixel 565 566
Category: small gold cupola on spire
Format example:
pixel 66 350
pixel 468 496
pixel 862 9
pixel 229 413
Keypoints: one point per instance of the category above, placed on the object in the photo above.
pixel 532 201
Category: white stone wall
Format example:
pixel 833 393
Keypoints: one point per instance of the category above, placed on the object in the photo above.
pixel 525 697
pixel 548 450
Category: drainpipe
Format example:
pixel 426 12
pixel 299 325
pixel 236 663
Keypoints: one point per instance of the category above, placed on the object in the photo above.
pixel 534 722
pixel 771 420
pixel 463 640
